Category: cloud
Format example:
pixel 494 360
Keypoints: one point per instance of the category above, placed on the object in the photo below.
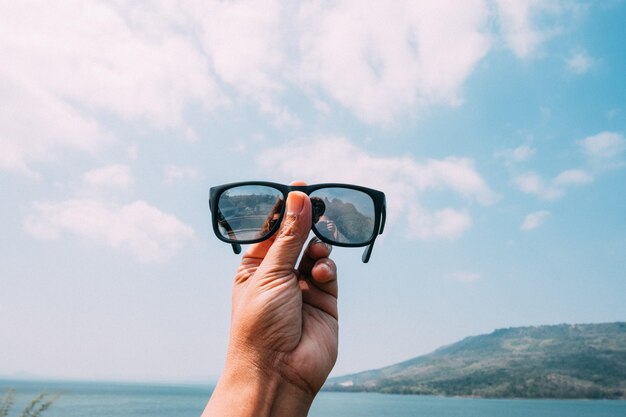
pixel 36 126
pixel 248 44
pixel 138 228
pixel 532 183
pixel 174 173
pixel 381 60
pixel 572 177
pixel 522 24
pixel 516 26
pixel 405 181
pixel 522 153
pixel 244 42
pixel 603 150
pixel 446 223
pixel 534 220
pixel 112 176
pixel 579 62
pixel 519 154
pixel 123 59
pixel 604 145
pixel 147 63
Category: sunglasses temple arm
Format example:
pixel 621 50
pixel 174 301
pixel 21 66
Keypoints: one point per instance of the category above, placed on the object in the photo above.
pixel 367 253
pixel 236 248
pixel 368 250
pixel 229 230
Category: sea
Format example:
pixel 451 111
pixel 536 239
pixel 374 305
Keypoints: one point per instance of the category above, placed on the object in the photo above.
pixel 100 399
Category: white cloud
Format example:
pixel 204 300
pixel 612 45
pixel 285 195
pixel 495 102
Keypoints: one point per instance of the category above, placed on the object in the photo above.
pixel 405 181
pixel 112 176
pixel 36 126
pixel 380 59
pixel 464 276
pixel 248 44
pixel 522 153
pixel 604 145
pixel 125 59
pixel 534 220
pixel 244 40
pixel 516 26
pixel 447 223
pixel 139 228
pixel 523 24
pixel 519 154
pixel 603 150
pixel 579 62
pixel 573 177
pixel 174 173
pixel 531 183
pixel 147 62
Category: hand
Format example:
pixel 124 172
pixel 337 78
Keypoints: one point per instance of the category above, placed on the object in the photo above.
pixel 284 328
pixel 332 228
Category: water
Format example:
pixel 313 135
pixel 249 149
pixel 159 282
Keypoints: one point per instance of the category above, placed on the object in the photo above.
pixel 98 399
pixel 380 405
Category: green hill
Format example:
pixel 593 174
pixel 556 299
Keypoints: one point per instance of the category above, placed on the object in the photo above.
pixel 561 361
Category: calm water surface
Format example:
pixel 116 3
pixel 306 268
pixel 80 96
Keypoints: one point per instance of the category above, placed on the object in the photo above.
pixel 380 405
pixel 96 399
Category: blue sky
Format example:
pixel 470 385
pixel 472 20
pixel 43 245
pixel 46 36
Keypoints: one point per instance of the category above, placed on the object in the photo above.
pixel 496 129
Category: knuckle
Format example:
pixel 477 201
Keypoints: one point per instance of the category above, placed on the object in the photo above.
pixel 291 228
pixel 288 228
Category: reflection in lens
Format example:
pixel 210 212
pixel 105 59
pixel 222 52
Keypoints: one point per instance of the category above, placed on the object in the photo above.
pixel 318 207
pixel 348 215
pixel 248 212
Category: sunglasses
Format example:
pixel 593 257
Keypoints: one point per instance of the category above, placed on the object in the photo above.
pixel 343 214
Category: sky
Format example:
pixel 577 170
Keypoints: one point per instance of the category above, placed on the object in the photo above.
pixel 494 127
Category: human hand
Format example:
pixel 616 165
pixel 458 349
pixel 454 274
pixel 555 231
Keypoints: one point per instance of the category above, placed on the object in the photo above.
pixel 332 229
pixel 284 328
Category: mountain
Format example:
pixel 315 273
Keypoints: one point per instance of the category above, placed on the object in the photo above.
pixel 560 361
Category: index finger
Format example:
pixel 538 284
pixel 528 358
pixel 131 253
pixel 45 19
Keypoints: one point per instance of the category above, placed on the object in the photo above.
pixel 315 250
pixel 318 270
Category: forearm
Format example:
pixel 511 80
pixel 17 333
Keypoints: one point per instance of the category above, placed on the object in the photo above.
pixel 247 391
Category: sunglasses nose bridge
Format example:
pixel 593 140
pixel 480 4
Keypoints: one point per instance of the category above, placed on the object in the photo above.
pixel 306 189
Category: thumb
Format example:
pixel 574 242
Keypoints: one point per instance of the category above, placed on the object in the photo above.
pixel 293 232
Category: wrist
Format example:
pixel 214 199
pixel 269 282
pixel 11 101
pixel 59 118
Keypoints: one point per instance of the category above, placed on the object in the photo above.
pixel 247 389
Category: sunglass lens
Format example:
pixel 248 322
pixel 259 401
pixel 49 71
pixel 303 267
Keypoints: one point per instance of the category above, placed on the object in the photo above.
pixel 248 212
pixel 343 215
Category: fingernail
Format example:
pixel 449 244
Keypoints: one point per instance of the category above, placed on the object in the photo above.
pixel 317 241
pixel 295 203
pixel 325 267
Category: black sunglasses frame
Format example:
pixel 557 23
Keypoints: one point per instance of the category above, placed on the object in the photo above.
pixel 378 198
